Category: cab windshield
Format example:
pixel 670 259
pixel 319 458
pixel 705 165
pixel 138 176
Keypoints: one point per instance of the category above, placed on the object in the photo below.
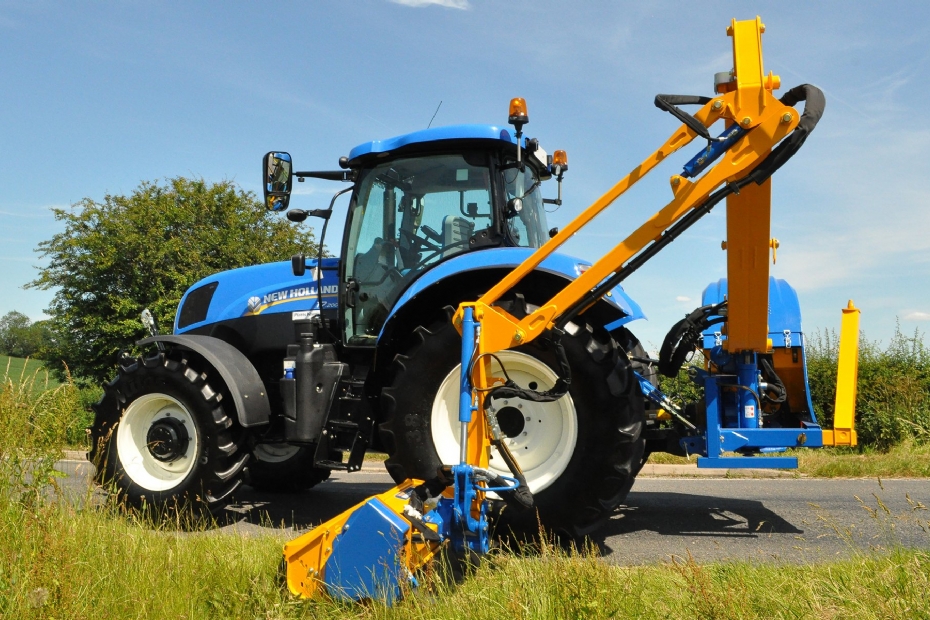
pixel 408 215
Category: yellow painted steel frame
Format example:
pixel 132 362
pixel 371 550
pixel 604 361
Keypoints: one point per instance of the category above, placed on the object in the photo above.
pixel 752 105
pixel 305 557
pixel 844 430
pixel 766 121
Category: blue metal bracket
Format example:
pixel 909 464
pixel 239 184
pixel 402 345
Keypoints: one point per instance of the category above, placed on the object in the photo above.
pixel 467 531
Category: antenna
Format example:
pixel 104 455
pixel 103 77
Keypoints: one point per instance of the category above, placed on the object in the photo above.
pixel 434 114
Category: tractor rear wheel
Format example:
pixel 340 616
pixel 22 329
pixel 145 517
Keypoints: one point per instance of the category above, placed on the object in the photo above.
pixel 579 454
pixel 162 438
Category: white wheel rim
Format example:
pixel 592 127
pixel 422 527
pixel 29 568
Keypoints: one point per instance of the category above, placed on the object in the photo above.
pixel 132 442
pixel 547 440
pixel 274 452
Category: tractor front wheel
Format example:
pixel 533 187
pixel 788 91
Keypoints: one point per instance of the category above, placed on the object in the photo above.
pixel 162 438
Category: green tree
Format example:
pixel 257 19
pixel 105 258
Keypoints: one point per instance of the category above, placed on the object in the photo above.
pixel 20 337
pixel 116 257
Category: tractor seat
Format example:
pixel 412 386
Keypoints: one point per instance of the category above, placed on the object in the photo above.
pixel 456 231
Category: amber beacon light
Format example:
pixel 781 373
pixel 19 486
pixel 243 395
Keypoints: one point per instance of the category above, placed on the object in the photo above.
pixel 518 116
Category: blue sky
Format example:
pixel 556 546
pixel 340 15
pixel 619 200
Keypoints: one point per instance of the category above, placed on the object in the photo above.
pixel 97 96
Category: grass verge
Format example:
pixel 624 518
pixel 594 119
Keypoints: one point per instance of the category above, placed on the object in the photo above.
pixel 906 460
pixel 57 561
pixel 79 560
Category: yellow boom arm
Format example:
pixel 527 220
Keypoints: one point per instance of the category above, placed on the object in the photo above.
pixel 750 104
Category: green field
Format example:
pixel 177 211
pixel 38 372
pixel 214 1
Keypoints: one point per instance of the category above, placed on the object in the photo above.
pixel 18 371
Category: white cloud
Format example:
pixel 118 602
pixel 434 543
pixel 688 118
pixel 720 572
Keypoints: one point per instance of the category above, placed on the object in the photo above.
pixel 682 298
pixel 33 212
pixel 917 316
pixel 449 4
pixel 307 189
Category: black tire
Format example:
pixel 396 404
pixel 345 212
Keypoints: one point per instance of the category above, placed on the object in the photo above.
pixel 206 470
pixel 608 408
pixel 287 473
pixel 631 344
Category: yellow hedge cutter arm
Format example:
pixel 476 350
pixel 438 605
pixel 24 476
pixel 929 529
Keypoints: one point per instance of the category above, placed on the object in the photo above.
pixel 376 549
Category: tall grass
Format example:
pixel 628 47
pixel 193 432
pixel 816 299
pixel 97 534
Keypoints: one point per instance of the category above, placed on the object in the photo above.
pixel 35 424
pixel 56 561
pixel 53 406
pixel 77 560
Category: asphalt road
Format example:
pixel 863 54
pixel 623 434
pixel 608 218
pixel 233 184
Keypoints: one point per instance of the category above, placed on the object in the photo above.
pixel 765 520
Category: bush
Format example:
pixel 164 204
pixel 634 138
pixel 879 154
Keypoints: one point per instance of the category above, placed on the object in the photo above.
pixel 682 389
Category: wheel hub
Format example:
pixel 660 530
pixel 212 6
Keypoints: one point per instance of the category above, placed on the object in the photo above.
pixel 541 436
pixel 511 421
pixel 167 439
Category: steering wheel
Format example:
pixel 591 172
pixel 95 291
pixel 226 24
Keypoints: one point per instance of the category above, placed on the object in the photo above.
pixel 420 242
pixel 436 252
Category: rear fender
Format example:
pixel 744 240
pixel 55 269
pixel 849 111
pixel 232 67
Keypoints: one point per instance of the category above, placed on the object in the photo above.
pixel 622 308
pixel 245 386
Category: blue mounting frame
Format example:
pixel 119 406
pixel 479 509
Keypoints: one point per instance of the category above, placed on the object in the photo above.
pixel 734 422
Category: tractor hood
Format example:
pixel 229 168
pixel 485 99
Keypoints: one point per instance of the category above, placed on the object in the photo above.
pixel 258 290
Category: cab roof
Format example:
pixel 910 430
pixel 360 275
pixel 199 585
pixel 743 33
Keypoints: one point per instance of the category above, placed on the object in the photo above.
pixel 436 134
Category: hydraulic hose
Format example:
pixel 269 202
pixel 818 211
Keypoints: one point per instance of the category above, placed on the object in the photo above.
pixel 509 389
pixel 670 104
pixel 814 105
pixel 683 337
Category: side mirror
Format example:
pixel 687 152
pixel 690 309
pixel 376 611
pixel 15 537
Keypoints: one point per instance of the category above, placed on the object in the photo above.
pixel 278 179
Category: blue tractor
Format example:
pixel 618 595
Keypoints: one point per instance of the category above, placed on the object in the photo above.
pixel 278 374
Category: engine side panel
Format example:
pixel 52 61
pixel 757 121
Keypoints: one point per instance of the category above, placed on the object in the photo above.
pixel 259 290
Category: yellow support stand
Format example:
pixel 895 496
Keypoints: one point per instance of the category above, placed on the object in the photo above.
pixel 844 430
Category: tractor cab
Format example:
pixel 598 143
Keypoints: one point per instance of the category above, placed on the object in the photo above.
pixel 427 200
pixel 421 198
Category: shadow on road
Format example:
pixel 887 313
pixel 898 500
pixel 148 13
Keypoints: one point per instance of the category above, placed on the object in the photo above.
pixel 665 514
pixel 298 511
pixel 687 515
